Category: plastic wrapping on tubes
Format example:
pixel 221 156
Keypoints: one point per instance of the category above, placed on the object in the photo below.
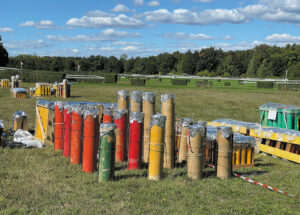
pixel 178 125
pixel 118 113
pixel 123 93
pixel 18 114
pixel 186 121
pixel 1 123
pixel 60 104
pixel 137 116
pixel 194 129
pixel 166 97
pixel 45 103
pixel 78 108
pixel 248 125
pixel 106 127
pixel 18 90
pixel 158 120
pixel 90 112
pixel 149 97
pixel 108 110
pixel 226 131
pixel 237 137
pixel 136 96
pixel 201 123
pixel 278 130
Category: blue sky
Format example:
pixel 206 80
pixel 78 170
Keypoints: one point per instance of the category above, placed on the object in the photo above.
pixel 144 27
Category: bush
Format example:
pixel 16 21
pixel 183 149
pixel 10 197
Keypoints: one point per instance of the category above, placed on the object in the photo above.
pixel 204 84
pixel 41 76
pixel 265 84
pixel 219 80
pixel 227 84
pixel 138 82
pixel 110 78
pixel 179 81
pixel 294 87
pixel 240 82
pixel 6 74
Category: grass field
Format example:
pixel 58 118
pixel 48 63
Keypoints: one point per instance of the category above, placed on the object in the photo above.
pixel 41 181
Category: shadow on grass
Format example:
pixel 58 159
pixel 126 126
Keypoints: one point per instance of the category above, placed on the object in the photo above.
pixel 263 164
pixel 121 177
pixel 74 97
pixel 251 173
pixel 121 167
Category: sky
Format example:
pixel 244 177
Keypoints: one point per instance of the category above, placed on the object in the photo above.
pixel 144 27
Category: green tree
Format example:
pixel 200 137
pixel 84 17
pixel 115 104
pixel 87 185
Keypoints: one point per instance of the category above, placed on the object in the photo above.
pixel 3 54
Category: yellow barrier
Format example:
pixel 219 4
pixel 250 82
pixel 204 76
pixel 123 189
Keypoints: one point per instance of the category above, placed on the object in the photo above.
pixel 44 127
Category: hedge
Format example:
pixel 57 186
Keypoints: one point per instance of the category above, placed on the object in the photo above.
pixel 6 74
pixel 204 84
pixel 41 76
pixel 227 84
pixel 111 78
pixel 179 81
pixel 138 82
pixel 294 87
pixel 265 84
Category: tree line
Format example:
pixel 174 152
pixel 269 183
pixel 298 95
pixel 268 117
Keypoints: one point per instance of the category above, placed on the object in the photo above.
pixel 261 61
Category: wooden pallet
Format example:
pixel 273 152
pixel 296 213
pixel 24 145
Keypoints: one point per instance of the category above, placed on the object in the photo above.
pixel 280 149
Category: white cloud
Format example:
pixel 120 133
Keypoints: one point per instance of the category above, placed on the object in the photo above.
pixel 120 8
pixel 183 16
pixel 286 5
pixel 106 35
pixel 282 38
pixel 125 43
pixel 100 19
pixel 228 37
pixel 139 2
pixel 30 44
pixel 269 10
pixel 153 3
pixel 6 30
pixel 41 24
pixel 184 36
pixel 75 51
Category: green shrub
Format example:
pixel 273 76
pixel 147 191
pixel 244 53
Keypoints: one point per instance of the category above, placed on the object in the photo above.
pixel 110 78
pixel 179 81
pixel 6 74
pixel 265 84
pixel 240 82
pixel 41 76
pixel 293 87
pixel 138 82
pixel 219 80
pixel 227 84
pixel 204 84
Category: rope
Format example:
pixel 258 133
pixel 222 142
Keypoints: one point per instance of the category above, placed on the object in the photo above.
pixel 258 183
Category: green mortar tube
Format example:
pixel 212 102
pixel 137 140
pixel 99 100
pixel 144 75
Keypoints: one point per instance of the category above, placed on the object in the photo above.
pixel 289 114
pixel 296 120
pixel 106 164
pixel 280 120
pixel 265 118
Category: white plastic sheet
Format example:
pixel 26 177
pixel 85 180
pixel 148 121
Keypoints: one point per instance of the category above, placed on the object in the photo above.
pixel 27 139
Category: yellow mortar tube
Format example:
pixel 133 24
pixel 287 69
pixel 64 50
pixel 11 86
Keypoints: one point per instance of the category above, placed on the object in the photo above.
pixel 156 150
